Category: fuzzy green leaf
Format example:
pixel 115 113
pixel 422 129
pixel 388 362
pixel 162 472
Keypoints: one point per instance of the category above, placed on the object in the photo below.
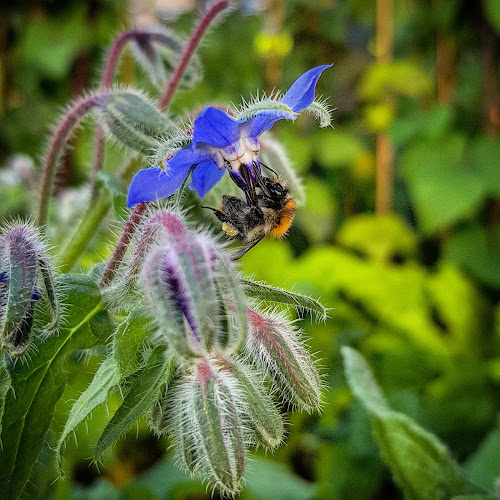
pixel 263 291
pixel 128 341
pixel 141 395
pixel 106 377
pixel 422 466
pixel 37 386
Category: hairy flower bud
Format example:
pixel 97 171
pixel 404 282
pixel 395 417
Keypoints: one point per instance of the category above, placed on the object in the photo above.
pixel 130 118
pixel 187 279
pixel 274 345
pixel 208 424
pixel 24 271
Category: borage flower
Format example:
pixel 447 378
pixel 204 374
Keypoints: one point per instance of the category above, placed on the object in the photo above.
pixel 221 143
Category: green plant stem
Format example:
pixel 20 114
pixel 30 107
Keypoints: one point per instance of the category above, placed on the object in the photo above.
pixel 84 231
pixel 90 223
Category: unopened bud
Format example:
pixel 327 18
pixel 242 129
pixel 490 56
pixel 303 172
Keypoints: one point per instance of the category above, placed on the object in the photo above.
pixel 180 280
pixel 131 119
pixel 188 279
pixel 208 425
pixel 24 271
pixel 273 343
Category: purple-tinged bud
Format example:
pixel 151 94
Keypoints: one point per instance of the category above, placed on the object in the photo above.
pixel 169 317
pixel 159 226
pixel 179 280
pixel 185 275
pixel 273 343
pixel 24 271
pixel 207 409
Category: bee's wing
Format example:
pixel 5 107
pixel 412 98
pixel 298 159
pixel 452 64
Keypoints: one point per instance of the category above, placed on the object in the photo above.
pixel 243 249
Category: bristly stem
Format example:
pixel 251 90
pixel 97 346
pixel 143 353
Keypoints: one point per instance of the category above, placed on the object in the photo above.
pixel 56 148
pixel 107 81
pixel 121 246
pixel 189 50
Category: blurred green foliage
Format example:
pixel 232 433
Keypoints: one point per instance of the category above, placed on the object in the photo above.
pixel 416 291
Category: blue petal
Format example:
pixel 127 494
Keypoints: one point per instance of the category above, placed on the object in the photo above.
pixel 264 121
pixel 214 127
pixel 301 93
pixel 152 184
pixel 205 176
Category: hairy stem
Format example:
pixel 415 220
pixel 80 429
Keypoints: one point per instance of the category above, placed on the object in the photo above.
pixel 56 148
pixel 121 246
pixel 107 80
pixel 189 50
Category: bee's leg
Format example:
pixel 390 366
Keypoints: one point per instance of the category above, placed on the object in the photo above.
pixel 219 214
pixel 270 169
pixel 259 180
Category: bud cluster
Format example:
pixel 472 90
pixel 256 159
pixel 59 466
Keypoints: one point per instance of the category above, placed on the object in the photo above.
pixel 26 276
pixel 230 357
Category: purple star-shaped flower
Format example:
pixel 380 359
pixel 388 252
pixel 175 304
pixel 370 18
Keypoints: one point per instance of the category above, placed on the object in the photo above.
pixel 219 144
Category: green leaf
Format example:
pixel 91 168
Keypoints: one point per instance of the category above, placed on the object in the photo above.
pixel 449 178
pixel 52 44
pixel 36 386
pixel 141 395
pixel 128 342
pixel 484 158
pixel 263 291
pixel 363 384
pixel 106 377
pixel 399 77
pixel 381 237
pixel 337 149
pixel 474 497
pixel 266 479
pixel 492 10
pixel 421 465
pixel 483 468
pixel 476 250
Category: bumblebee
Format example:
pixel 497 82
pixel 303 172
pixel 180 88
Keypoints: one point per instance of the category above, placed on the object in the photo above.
pixel 269 212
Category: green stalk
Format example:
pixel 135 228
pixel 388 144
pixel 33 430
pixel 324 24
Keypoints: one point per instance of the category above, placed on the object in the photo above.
pixel 90 223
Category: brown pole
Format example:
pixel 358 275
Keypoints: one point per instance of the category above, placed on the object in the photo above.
pixel 384 153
